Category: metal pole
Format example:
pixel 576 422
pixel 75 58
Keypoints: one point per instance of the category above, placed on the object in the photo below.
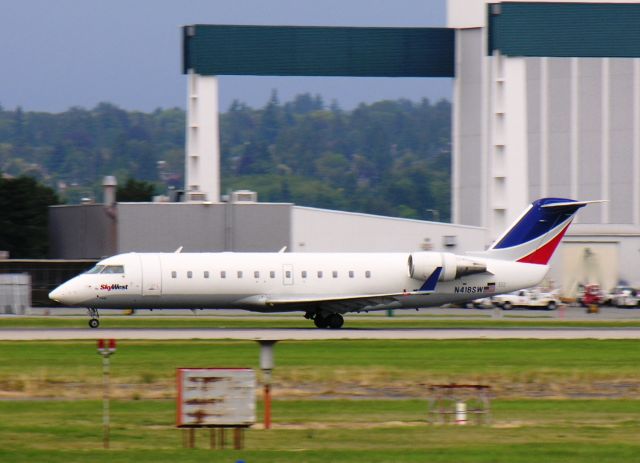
pixel 105 400
pixel 267 399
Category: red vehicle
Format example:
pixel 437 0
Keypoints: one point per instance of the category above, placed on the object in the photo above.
pixel 592 295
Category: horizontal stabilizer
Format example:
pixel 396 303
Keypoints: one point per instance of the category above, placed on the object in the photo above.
pixel 575 203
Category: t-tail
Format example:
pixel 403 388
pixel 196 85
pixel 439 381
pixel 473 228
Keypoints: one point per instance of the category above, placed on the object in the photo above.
pixel 535 235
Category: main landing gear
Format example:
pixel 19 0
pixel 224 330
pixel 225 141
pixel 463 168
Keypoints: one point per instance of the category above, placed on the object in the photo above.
pixel 333 321
pixel 94 321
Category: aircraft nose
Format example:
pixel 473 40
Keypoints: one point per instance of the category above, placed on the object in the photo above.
pixel 58 294
pixel 64 294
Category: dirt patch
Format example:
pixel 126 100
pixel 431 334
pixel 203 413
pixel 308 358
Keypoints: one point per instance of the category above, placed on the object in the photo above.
pixel 501 388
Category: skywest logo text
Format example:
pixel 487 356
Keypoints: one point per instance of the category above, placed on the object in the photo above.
pixel 114 287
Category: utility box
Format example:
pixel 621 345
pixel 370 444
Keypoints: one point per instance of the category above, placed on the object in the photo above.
pixel 15 293
pixel 216 397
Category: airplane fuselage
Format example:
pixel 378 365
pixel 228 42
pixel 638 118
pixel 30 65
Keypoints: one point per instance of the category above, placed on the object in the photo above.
pixel 258 281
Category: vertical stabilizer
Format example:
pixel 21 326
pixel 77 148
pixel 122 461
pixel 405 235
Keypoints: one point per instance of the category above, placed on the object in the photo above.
pixel 535 235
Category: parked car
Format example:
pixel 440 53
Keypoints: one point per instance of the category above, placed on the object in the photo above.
pixel 529 298
pixel 625 296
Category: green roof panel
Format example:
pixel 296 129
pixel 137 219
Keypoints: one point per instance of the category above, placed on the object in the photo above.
pixel 565 29
pixel 318 51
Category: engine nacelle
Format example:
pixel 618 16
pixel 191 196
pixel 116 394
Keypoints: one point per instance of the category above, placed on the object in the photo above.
pixel 422 265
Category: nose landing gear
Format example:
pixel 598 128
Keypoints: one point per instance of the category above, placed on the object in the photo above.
pixel 94 321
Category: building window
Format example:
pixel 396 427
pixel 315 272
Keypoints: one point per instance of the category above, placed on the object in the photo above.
pixel 206 274
pixel 239 273
pixel 223 274
pixel 272 274
pixel 304 274
pixel 189 274
pixel 174 274
pixel 351 274
pixel 367 274
pixel 256 274
pixel 319 273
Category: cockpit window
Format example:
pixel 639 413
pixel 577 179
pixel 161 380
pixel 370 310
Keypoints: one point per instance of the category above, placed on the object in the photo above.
pixel 113 269
pixel 96 269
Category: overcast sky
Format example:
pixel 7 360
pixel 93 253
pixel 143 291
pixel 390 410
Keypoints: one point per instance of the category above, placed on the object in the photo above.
pixel 55 54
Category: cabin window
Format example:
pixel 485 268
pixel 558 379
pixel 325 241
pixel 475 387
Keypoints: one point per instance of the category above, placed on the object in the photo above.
pixel 335 274
pixel 223 274
pixel 351 274
pixel 319 273
pixel 256 274
pixel 174 274
pixel 304 274
pixel 272 274
pixel 96 269
pixel 367 274
pixel 206 273
pixel 113 269
pixel 189 274
pixel 287 274
pixel 239 273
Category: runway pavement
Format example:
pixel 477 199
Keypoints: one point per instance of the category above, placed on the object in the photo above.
pixel 312 334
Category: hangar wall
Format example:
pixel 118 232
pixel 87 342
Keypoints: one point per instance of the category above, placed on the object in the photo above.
pixel 84 231
pixel 322 230
pixel 546 126
pixel 201 227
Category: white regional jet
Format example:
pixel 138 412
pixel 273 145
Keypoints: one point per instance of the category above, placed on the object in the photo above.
pixel 324 285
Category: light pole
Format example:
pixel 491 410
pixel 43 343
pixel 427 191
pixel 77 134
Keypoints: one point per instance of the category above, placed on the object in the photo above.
pixel 106 349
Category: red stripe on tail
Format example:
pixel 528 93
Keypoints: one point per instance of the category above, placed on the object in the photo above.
pixel 543 254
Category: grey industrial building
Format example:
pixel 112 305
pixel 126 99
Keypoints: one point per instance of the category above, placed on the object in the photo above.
pixel 98 230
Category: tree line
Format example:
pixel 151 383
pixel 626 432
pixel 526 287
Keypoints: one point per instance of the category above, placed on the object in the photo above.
pixel 388 157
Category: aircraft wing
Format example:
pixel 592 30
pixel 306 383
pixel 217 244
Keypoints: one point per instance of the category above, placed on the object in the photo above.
pixel 335 303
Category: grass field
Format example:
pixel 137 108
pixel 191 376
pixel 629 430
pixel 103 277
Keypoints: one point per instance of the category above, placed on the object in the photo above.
pixel 514 368
pixel 569 401
pixel 320 431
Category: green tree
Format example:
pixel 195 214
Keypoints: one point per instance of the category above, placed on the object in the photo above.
pixel 24 217
pixel 135 191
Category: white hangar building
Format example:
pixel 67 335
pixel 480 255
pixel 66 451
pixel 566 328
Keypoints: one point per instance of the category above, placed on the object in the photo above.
pixel 547 103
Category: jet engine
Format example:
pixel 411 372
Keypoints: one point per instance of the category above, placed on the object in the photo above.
pixel 422 264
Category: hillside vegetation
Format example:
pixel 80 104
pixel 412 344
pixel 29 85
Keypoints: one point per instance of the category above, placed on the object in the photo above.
pixel 389 157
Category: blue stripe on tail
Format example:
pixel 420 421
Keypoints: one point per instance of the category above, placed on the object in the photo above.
pixel 538 221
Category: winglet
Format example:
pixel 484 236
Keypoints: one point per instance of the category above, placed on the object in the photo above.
pixel 430 284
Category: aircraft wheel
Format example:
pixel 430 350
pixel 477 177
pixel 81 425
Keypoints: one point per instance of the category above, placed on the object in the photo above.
pixel 94 323
pixel 335 321
pixel 320 321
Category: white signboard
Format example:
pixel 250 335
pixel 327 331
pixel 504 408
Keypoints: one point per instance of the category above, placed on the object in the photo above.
pixel 216 397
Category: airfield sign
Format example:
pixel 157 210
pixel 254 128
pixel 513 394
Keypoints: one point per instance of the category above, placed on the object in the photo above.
pixel 216 397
